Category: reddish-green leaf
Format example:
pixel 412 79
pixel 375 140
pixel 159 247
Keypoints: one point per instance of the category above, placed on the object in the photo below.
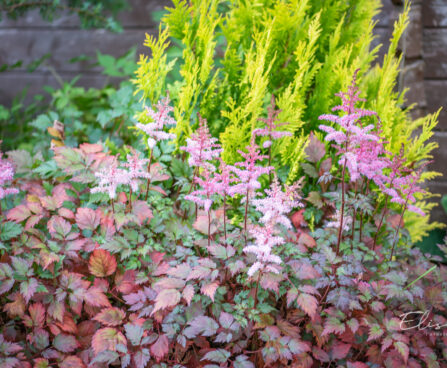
pixel 37 314
pixel 403 349
pixel 315 149
pixel 19 213
pixel 333 325
pixel 298 219
pixel 375 331
pixel 125 283
pixel 141 358
pixel 38 363
pixel 210 289
pixel 28 288
pixel 168 283
pixel 298 347
pixel 88 219
pixel 110 316
pixel 65 343
pixel 72 362
pixel 357 365
pixel 59 225
pixel 201 325
pixel 142 212
pixel 166 298
pixel 217 356
pixel 306 240
pixel 308 304
pixel 305 271
pixel 96 297
pixel 134 333
pixel 180 271
pixel 188 293
pixel 201 225
pixel 102 263
pixel 106 339
pixel 160 348
pixel 340 350
pixel 353 325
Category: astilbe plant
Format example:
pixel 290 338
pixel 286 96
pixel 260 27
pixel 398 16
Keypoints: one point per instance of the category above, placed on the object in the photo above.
pixel 6 175
pixel 145 284
pixel 154 131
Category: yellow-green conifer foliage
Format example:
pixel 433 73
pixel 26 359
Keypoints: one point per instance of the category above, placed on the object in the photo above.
pixel 234 54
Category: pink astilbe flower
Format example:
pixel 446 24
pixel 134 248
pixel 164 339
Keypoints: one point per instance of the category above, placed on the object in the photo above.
pixel 372 161
pixel 201 146
pixel 335 221
pixel 225 178
pixel 271 126
pixel 6 175
pixel 360 149
pixel 109 178
pixel 160 119
pixel 275 207
pixel 407 187
pixel 265 240
pixel 277 204
pixel 350 141
pixel 136 169
pixel 209 186
pixel 400 184
pixel 248 172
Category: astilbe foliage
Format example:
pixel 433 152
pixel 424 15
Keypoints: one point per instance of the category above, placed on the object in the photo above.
pixel 150 284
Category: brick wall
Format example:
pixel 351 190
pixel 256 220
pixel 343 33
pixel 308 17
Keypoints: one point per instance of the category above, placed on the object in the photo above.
pixel 425 64
pixel 424 71
pixel 29 38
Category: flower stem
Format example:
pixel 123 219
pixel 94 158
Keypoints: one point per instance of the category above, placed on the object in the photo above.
pixel 245 219
pixel 270 159
pixel 397 230
pixel 149 179
pixel 113 204
pixel 225 217
pixel 256 289
pixel 209 227
pixel 130 199
pixel 354 215
pixel 342 210
pixel 361 227
pixel 385 209
pixel 361 212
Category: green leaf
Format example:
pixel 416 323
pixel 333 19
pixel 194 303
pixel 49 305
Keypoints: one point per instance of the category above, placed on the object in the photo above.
pixel 9 230
pixel 47 169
